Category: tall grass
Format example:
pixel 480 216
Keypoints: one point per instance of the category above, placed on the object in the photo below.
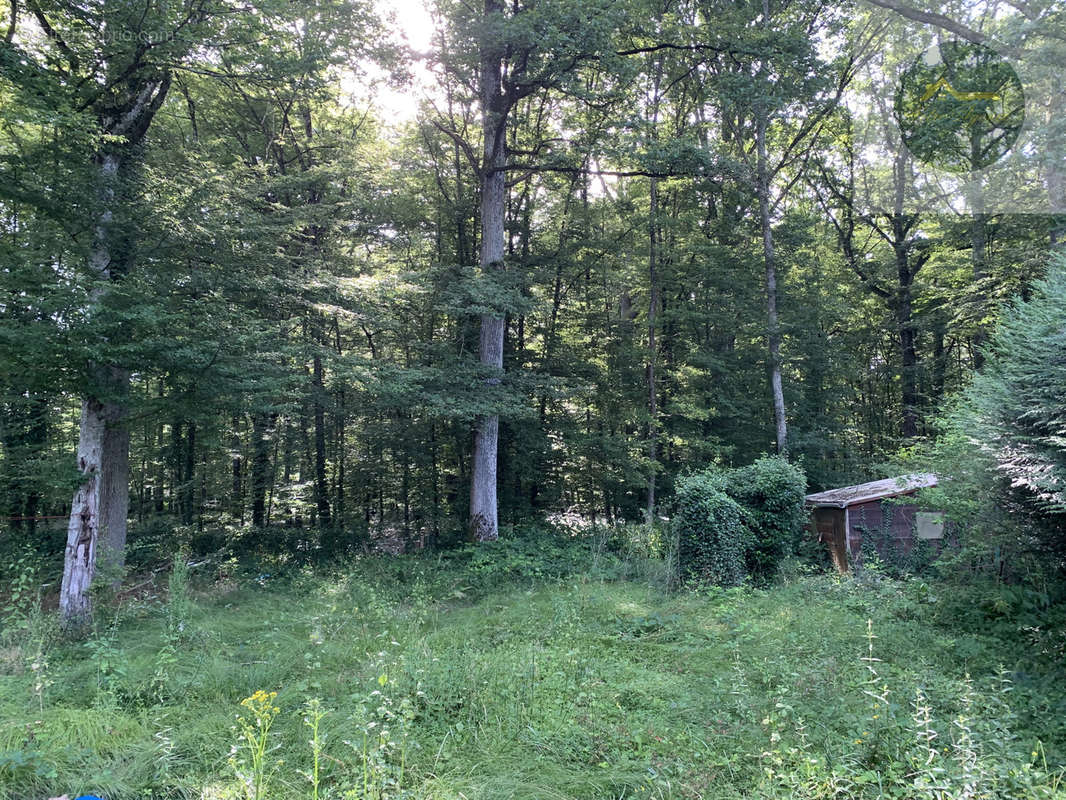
pixel 551 669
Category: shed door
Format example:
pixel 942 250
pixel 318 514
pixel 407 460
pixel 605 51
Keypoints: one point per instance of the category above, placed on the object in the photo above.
pixel 829 523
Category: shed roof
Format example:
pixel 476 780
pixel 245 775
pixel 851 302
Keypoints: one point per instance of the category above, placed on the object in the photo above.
pixel 875 490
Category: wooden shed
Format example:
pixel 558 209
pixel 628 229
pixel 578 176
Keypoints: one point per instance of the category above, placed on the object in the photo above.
pixel 842 518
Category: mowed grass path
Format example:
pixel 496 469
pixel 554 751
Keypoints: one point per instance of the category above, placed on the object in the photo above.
pixel 561 688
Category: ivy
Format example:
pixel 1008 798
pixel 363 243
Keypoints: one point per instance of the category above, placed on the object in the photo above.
pixel 711 534
pixel 739 523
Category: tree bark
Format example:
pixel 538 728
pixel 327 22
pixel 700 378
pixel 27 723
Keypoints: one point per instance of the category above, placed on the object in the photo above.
pixel 96 530
pixel 79 563
pixel 653 313
pixel 908 363
pixel 938 379
pixel 979 260
pixel 484 520
pixel 186 504
pixel 773 330
pixel 115 479
pixel 260 465
pixel 321 487
pixel 908 262
pixel 101 502
pixel 236 470
pixel 654 302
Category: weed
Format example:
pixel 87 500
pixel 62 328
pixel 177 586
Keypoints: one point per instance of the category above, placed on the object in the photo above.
pixel 314 713
pixel 249 756
pixel 570 685
pixel 22 599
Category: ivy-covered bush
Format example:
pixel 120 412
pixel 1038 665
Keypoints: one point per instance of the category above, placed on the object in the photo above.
pixel 771 491
pixel 738 523
pixel 711 536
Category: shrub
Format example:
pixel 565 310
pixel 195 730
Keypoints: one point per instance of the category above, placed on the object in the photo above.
pixel 1001 450
pixel 766 498
pixel 711 536
pixel 771 491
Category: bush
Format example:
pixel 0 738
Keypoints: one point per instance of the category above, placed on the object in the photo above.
pixel 766 497
pixel 711 536
pixel 771 491
pixel 1011 421
pixel 1018 401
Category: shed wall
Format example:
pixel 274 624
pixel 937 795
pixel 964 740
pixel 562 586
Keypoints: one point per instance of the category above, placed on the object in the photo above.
pixel 887 526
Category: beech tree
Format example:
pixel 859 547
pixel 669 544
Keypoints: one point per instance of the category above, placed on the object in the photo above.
pixel 113 65
pixel 114 69
pixel 522 49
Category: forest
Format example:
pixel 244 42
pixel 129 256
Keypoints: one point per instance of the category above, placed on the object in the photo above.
pixel 419 400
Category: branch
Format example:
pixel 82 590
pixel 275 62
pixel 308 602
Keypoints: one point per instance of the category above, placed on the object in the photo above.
pixel 943 22
pixel 931 18
pixel 42 20
pixel 687 48
pixel 461 142
pixel 845 234
pixel 530 171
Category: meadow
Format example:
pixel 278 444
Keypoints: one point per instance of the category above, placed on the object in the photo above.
pixel 536 667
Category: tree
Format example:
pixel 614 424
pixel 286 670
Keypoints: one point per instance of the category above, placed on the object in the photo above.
pixel 777 96
pixel 1031 32
pixel 495 105
pixel 1014 413
pixel 533 48
pixel 119 78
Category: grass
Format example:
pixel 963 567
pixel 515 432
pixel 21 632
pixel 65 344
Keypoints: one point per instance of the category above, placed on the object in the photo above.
pixel 529 673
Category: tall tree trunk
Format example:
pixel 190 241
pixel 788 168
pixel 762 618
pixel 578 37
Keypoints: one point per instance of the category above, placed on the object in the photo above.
pixel 187 492
pixel 1055 155
pixel 160 480
pixel 321 488
pixel 773 330
pixel 101 502
pixel 236 470
pixel 79 563
pixel 340 514
pixel 653 313
pixel 484 521
pixel 260 466
pixel 909 374
pixel 652 443
pixel 115 486
pixel 979 260
pixel 907 335
pixel 938 378
pixel 96 532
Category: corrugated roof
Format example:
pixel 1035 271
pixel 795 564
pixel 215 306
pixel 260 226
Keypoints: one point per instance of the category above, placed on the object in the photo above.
pixel 875 490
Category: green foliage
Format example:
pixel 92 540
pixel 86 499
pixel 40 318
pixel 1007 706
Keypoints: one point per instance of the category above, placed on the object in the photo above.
pixel 22 598
pixel 250 757
pixel 740 523
pixel 771 492
pixel 1001 449
pixel 1014 414
pixel 712 539
pixel 576 687
pixel 298 304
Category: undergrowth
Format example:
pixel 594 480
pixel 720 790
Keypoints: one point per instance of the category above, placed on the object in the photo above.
pixel 550 667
